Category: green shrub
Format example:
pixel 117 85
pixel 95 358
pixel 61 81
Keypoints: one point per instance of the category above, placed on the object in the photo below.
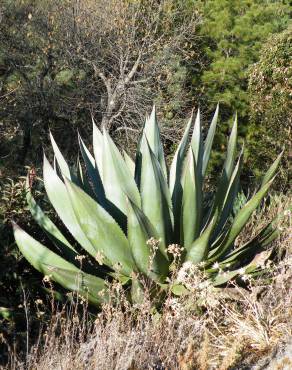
pixel 270 89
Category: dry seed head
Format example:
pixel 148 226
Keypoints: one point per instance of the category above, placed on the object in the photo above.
pixel 80 258
pixel 101 293
pixel 99 258
pixel 153 243
pixel 216 265
pixel 47 278
pixel 175 250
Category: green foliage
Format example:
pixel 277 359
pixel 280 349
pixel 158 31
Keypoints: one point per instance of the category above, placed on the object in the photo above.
pixel 270 89
pixel 141 224
pixel 232 34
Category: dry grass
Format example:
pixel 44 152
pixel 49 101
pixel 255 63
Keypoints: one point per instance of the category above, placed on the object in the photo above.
pixel 228 329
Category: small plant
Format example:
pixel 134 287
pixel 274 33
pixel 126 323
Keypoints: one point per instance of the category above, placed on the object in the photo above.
pixel 137 220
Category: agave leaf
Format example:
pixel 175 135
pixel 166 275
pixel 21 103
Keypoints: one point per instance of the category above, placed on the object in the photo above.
pixel 151 262
pixel 65 170
pixel 97 148
pixel 117 179
pixel 209 141
pixel 175 175
pixel 101 229
pixel 129 162
pixel 137 291
pixel 52 265
pixel 242 255
pixel 82 181
pixel 178 159
pixel 138 159
pixel 231 151
pixel 230 196
pixel 224 277
pixel 156 202
pixel 197 146
pixel 240 221
pixel 92 171
pixel 179 290
pixel 60 200
pixel 259 242
pixel 37 254
pixel 191 204
pixel 89 287
pixel 48 226
pixel 59 240
pixel 272 170
pixel 227 172
pixel 152 133
pixel 199 248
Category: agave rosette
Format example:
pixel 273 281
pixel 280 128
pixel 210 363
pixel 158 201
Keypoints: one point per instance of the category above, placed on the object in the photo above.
pixel 116 206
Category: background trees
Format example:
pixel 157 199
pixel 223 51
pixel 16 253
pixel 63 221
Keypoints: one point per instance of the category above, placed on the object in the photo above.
pixel 62 62
pixel 270 92
pixel 68 60
pixel 232 34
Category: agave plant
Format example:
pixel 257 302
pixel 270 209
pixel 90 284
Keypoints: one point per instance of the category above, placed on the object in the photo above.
pixel 131 216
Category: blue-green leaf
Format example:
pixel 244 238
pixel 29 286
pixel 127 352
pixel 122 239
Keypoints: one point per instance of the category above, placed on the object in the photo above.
pixel 140 230
pixel 101 229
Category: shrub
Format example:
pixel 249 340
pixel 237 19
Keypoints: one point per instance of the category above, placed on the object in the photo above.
pixel 270 105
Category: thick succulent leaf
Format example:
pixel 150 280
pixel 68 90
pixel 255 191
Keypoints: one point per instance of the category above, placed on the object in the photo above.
pixel 129 162
pixel 89 287
pixel 257 262
pixel 175 175
pixel 240 256
pixel 209 141
pixel 83 182
pixel 272 170
pixel 179 290
pixel 101 229
pixel 227 171
pixel 60 200
pixel 138 159
pixel 117 179
pixel 137 291
pixel 269 233
pixel 240 221
pixel 200 247
pixel 48 226
pixel 57 268
pixel 178 159
pixel 37 254
pixel 156 202
pixel 151 262
pixel 230 196
pixel 192 204
pixel 92 171
pixel 65 170
pixel 224 277
pixel 152 133
pixel 98 148
pixel 231 151
pixel 197 145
